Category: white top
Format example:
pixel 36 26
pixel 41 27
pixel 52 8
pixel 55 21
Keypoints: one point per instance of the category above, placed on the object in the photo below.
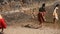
pixel 55 13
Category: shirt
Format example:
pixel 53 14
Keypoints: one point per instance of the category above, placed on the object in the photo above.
pixel 55 13
pixel 42 9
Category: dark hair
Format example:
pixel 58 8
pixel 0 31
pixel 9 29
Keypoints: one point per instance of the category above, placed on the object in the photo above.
pixel 57 5
pixel 43 5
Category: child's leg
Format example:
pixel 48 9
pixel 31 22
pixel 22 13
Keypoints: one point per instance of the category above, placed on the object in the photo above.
pixel 54 20
pixel 2 30
pixel 55 23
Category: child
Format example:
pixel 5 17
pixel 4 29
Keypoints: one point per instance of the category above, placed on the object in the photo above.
pixel 2 23
pixel 55 15
pixel 41 14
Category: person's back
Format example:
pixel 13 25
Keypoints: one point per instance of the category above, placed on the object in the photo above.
pixel 42 9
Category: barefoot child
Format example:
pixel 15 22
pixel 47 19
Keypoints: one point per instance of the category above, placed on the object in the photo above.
pixel 41 14
pixel 2 23
pixel 55 14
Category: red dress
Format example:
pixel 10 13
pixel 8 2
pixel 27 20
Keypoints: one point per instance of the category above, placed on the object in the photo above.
pixel 2 23
pixel 40 16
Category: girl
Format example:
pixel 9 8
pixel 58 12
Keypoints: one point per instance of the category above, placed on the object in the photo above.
pixel 41 14
pixel 2 23
pixel 55 15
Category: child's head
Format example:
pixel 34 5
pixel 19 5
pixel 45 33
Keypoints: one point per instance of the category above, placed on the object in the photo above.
pixel 43 5
pixel 57 5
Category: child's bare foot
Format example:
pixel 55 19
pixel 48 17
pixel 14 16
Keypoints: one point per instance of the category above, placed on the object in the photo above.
pixel 1 32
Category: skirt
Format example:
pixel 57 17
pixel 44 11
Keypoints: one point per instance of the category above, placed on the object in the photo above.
pixel 41 17
pixel 2 23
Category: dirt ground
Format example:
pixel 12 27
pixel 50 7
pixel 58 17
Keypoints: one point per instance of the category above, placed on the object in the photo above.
pixel 20 23
pixel 18 28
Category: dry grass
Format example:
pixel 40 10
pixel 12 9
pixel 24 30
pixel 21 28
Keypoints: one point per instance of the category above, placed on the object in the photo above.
pixel 23 16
